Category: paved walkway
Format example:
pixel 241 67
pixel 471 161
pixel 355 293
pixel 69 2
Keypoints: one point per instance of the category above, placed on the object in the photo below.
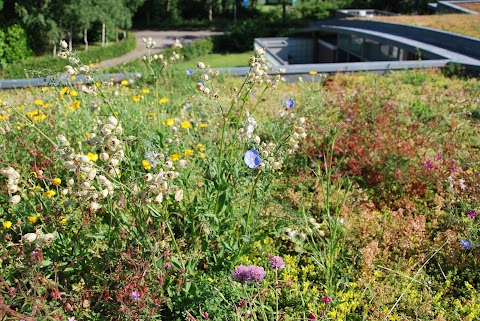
pixel 164 39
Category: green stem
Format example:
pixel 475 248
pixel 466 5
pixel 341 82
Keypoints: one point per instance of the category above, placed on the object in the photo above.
pixel 249 209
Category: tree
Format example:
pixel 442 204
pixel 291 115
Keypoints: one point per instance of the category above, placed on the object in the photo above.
pixel 41 21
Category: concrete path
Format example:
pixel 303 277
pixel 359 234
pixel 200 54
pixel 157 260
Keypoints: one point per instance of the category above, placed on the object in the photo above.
pixel 164 39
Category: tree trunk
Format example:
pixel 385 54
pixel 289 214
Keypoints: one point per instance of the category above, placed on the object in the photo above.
pixel 210 10
pixel 70 37
pixel 103 34
pixel 284 10
pixel 85 39
pixel 55 49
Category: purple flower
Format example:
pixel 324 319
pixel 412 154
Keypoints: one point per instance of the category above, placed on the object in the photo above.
pixel 466 244
pixel 135 295
pixel 240 273
pixel 276 262
pixel 252 158
pixel 472 214
pixel 248 274
pixel 428 165
pixel 290 103
pixel 438 156
pixel 205 315
pixel 312 317
pixel 326 299
pixel 71 319
pixel 255 273
pixel 189 72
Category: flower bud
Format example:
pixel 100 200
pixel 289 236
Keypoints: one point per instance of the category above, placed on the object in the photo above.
pixel 29 237
pixel 15 199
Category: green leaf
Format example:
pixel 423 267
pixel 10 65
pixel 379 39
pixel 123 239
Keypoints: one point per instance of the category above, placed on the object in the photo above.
pixel 221 202
pixel 45 263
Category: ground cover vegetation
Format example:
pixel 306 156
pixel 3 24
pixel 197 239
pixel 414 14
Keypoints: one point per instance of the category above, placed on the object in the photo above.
pixel 190 195
pixel 464 24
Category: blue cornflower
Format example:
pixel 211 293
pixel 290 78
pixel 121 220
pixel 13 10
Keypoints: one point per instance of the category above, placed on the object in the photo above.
pixel 466 244
pixel 189 72
pixel 290 103
pixel 252 158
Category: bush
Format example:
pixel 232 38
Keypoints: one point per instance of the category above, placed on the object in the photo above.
pixel 15 44
pixel 48 65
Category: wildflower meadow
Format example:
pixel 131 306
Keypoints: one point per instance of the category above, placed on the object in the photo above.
pixel 194 195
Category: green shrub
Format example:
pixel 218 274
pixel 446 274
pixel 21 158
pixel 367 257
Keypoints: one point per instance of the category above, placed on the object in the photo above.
pixel 48 65
pixel 15 44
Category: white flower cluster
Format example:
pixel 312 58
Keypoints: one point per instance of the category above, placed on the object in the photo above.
pixel 271 153
pixel 112 155
pixel 38 237
pixel 112 147
pixel 78 69
pixel 150 44
pixel 259 68
pixel 160 185
pixel 206 78
pixel 245 133
pixel 298 133
pixel 13 179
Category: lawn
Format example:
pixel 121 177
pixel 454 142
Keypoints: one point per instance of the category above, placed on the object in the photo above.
pixel 208 197
pixel 217 60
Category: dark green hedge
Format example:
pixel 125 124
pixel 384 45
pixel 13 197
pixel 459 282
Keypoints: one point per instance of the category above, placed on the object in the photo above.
pixel 49 65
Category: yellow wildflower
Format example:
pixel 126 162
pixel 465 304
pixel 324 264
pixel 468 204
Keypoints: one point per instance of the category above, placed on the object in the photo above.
pixel 201 155
pixel 41 116
pixel 57 181
pixel 163 100
pixel 145 91
pixel 200 147
pixel 64 91
pixel 124 82
pixel 202 125
pixel 146 165
pixel 7 224
pixel 44 89
pixel 21 107
pixel 31 114
pixel 47 106
pixel 76 104
pixel 152 114
pixel 2 117
pixel 73 93
pixel 188 152
pixel 36 188
pixel 186 124
pixel 38 102
pixel 73 77
pixel 49 193
pixel 170 121
pixel 175 157
pixel 136 98
pixel 312 73
pixel 32 219
pixel 93 157
pixel 62 220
